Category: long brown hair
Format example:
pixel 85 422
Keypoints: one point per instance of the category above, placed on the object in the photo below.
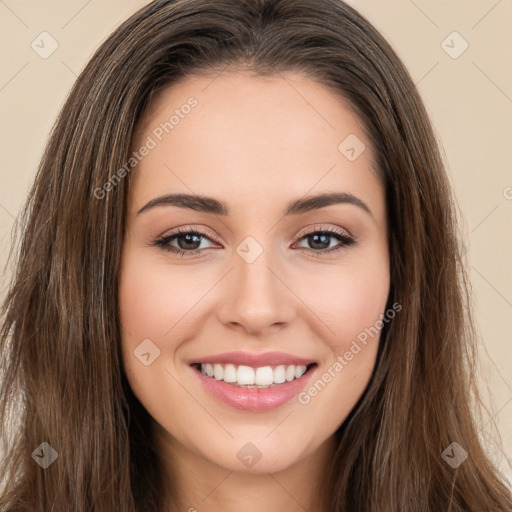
pixel 63 381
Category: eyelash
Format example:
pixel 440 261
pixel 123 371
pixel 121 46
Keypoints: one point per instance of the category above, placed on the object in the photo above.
pixel 163 242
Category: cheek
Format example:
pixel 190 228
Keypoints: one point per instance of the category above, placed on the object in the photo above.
pixel 349 301
pixel 351 307
pixel 148 308
pixel 156 298
pixel 159 302
pixel 153 297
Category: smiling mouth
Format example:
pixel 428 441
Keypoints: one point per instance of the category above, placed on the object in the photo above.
pixel 253 377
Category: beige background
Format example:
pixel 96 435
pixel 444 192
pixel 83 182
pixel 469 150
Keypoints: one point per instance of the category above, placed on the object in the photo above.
pixel 468 97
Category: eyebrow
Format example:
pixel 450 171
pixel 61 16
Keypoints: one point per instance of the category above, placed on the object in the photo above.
pixel 214 206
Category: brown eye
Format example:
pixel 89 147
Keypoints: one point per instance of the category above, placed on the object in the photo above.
pixel 320 240
pixel 187 242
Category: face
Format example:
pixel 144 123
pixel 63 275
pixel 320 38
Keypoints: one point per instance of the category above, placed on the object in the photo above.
pixel 242 300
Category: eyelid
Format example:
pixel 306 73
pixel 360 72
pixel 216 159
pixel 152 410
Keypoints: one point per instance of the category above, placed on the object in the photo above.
pixel 345 239
pixel 310 230
pixel 184 230
pixel 322 227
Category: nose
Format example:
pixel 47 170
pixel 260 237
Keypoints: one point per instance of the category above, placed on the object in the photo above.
pixel 256 296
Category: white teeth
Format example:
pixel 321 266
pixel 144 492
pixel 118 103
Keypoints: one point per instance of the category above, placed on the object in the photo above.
pixel 262 377
pixel 290 373
pixel 218 371
pixel 229 373
pixel 245 375
pixel 279 374
pixel 300 371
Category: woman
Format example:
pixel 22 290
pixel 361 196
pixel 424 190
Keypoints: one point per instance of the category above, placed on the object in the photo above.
pixel 239 285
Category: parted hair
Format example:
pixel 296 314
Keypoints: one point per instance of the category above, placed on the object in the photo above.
pixel 60 346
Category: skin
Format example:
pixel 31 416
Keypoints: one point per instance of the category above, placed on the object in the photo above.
pixel 256 144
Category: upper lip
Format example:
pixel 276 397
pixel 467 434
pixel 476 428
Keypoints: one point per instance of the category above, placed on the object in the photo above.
pixel 254 360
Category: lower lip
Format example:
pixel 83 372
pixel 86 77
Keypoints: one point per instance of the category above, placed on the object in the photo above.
pixel 255 399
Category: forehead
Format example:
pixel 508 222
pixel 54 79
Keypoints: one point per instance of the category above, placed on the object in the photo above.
pixel 248 134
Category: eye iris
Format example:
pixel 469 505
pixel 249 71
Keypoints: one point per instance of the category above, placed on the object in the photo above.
pixel 319 238
pixel 188 240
